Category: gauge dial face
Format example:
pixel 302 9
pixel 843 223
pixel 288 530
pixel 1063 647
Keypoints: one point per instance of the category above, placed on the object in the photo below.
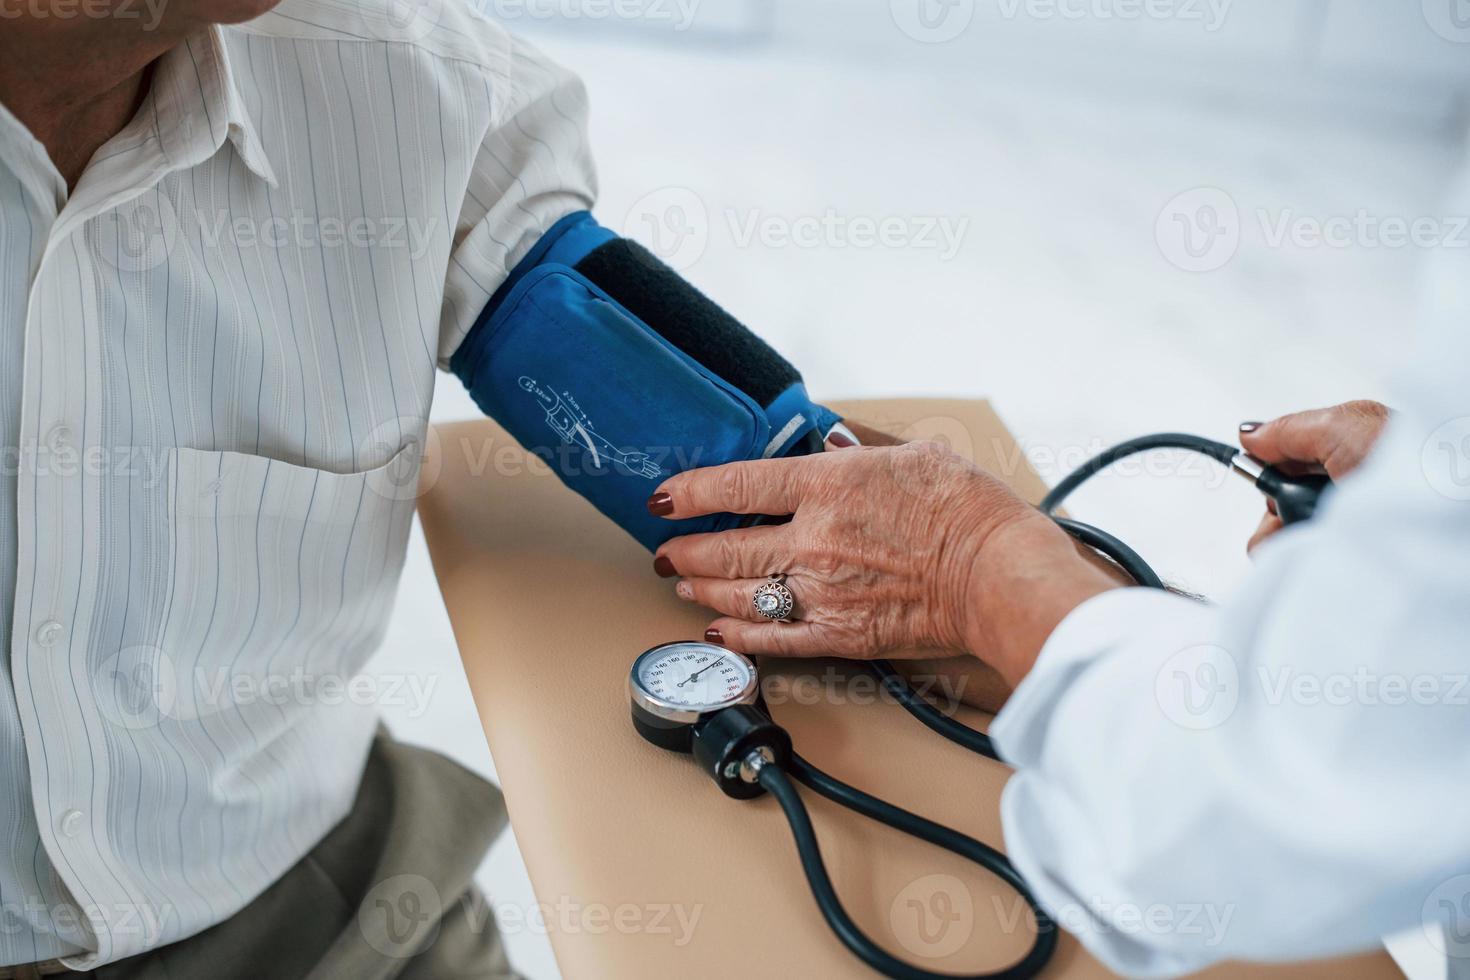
pixel 695 676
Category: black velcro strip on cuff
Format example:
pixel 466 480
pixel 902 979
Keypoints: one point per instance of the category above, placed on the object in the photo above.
pixel 688 319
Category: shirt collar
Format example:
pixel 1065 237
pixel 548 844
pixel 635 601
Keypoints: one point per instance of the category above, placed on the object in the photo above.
pixel 197 104
pixel 24 155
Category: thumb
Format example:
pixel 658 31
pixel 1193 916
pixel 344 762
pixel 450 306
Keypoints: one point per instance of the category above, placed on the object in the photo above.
pixel 1302 437
pixel 1336 438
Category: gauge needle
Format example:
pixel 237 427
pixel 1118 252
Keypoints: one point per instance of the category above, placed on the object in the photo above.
pixel 696 674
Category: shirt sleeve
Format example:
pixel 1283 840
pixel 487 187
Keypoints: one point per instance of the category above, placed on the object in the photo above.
pixel 1286 775
pixel 534 166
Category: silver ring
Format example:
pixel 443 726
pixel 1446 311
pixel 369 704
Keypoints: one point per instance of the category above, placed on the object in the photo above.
pixel 773 600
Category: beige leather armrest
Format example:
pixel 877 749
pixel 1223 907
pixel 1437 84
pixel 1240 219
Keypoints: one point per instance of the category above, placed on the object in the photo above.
pixel 645 869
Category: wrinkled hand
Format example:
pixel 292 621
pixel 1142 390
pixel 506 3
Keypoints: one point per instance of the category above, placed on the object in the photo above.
pixel 880 552
pixel 1332 440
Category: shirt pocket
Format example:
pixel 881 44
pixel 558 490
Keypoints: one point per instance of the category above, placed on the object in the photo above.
pixel 282 578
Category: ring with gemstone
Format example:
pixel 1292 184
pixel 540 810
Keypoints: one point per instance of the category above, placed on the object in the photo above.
pixel 773 600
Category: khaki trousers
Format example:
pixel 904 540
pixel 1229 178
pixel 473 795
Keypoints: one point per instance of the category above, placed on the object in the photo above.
pixel 389 893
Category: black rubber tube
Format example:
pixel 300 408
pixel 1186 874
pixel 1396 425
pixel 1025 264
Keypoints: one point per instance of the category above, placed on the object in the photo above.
pixel 937 721
pixel 778 784
pixel 1220 452
pixel 1128 559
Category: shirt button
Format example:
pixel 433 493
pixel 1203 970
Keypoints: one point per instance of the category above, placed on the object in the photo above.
pixel 59 438
pixel 70 823
pixel 48 633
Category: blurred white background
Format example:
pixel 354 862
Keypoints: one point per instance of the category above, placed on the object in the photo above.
pixel 1109 217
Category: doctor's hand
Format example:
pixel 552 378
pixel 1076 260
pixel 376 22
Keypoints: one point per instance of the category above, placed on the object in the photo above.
pixel 900 551
pixel 1331 440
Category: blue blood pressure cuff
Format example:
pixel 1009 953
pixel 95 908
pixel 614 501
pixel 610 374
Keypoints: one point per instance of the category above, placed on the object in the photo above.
pixel 618 373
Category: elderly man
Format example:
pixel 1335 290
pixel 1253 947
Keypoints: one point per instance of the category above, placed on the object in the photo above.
pixel 231 258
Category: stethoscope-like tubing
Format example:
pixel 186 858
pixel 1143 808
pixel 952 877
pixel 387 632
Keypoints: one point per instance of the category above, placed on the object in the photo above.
pixel 776 782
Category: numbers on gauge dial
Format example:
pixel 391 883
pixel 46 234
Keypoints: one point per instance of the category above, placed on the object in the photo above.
pixel 694 677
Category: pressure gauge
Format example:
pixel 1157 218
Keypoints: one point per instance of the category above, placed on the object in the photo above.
pixel 675 685
pixel 701 698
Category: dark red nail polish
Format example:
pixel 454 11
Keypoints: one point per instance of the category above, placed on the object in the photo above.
pixel 1246 428
pixel 840 439
pixel 664 567
pixel 713 635
pixel 661 504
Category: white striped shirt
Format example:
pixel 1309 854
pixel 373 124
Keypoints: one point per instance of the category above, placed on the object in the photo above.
pixel 216 361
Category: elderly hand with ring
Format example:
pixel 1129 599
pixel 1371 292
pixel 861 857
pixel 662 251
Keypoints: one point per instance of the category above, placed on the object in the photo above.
pixel 900 551
pixel 912 551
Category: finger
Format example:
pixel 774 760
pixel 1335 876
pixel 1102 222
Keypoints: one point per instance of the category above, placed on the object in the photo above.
pixel 839 437
pixel 752 552
pixel 1269 525
pixel 733 597
pixel 762 486
pixel 769 639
